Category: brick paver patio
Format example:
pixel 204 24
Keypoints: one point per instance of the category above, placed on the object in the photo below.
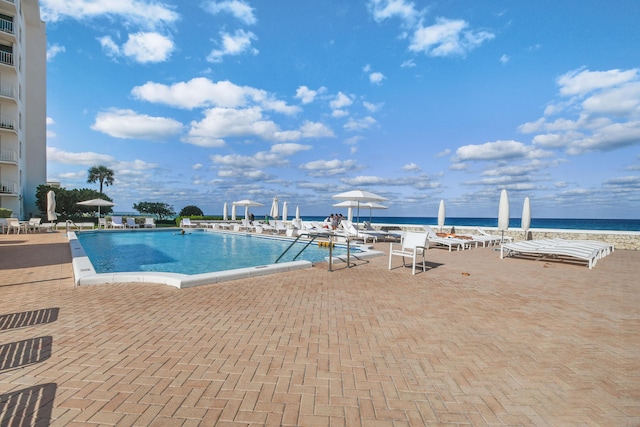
pixel 473 341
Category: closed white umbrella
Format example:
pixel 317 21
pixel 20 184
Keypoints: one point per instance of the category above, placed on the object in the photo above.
pixel 225 209
pixel 298 212
pixel 441 215
pixel 274 213
pixel 51 206
pixel 503 212
pixel 526 216
pixel 285 208
pixel 98 203
pixel 233 212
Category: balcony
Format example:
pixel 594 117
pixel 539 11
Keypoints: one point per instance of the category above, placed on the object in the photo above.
pixel 6 58
pixel 7 155
pixel 7 90
pixel 8 187
pixel 6 26
pixel 7 122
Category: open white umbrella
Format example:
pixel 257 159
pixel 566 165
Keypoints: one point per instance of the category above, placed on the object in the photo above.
pixel 285 210
pixel 503 212
pixel 246 203
pixel 441 215
pixel 373 205
pixel 51 206
pixel 225 209
pixel 525 222
pixel 359 196
pixel 98 203
pixel 274 212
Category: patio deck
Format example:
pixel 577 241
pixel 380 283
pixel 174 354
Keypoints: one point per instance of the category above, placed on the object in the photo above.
pixel 473 341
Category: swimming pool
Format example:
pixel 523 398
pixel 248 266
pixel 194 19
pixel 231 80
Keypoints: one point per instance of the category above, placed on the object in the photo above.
pixel 196 257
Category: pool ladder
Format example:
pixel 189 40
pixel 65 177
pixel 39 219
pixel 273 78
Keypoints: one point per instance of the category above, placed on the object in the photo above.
pixel 313 238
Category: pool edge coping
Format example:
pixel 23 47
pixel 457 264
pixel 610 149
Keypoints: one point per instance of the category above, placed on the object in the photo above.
pixel 84 274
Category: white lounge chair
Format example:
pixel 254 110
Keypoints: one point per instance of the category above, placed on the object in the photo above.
pixel 149 223
pixel 116 222
pixel 13 224
pixel 102 223
pixel 34 224
pixel 3 225
pixel 450 242
pixel 349 231
pixel 496 237
pixel 544 249
pixel 186 223
pixel 131 223
pixel 413 245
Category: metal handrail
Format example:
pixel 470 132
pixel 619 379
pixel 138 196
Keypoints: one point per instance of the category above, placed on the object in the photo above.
pixel 313 238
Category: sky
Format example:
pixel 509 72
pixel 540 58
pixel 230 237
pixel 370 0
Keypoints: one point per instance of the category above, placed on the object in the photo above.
pixel 202 102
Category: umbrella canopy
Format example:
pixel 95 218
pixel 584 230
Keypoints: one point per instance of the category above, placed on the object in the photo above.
pixel 285 210
pixel 246 203
pixel 97 202
pixel 274 212
pixel 503 212
pixel 51 206
pixel 225 210
pixel 373 205
pixel 298 212
pixel 526 215
pixel 441 214
pixel 359 196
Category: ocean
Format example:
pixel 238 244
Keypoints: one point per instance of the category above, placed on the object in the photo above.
pixel 554 223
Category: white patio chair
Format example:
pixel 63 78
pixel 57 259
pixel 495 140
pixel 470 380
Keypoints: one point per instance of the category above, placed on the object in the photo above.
pixel 149 223
pixel 131 223
pixel 413 245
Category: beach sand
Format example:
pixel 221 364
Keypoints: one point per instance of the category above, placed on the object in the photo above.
pixel 475 340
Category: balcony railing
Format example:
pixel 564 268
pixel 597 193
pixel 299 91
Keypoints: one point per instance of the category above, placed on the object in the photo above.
pixel 7 90
pixel 7 122
pixel 6 26
pixel 6 57
pixel 8 187
pixel 8 155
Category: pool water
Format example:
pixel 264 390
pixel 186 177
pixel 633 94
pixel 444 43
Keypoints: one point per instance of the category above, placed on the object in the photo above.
pixel 194 252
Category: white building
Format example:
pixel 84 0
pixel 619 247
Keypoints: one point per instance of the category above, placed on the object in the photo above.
pixel 23 144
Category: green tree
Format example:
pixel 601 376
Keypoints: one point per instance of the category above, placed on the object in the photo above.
pixel 67 200
pixel 191 211
pixel 162 210
pixel 101 174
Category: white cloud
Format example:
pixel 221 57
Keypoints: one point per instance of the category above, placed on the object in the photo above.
pixel 340 101
pixel 306 95
pixel 580 82
pixel 87 158
pixel 233 44
pixel 376 78
pixel 504 59
pixel 148 47
pixel 128 124
pixel 361 124
pixel 329 167
pixel 386 9
pixel 53 50
pixel 202 92
pixel 602 113
pixel 315 130
pixel 447 38
pixel 339 113
pixel 288 149
pixel 372 107
pixel 109 47
pixel 220 123
pixel 147 14
pixel 409 63
pixel 238 9
pixel 498 150
pixel 197 166
pixel 411 167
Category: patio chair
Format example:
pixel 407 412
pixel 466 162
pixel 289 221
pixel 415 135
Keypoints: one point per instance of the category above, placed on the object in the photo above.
pixel 3 225
pixel 102 223
pixel 116 222
pixel 15 225
pixel 349 231
pixel 413 245
pixel 186 223
pixel 131 223
pixel 34 224
pixel 149 223
pixel 496 237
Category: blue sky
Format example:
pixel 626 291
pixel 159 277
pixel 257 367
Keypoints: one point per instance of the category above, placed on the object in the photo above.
pixel 206 102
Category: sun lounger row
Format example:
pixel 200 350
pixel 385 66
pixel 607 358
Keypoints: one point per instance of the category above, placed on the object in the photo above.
pixel 586 250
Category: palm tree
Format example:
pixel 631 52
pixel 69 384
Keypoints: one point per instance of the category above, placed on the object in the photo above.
pixel 101 174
